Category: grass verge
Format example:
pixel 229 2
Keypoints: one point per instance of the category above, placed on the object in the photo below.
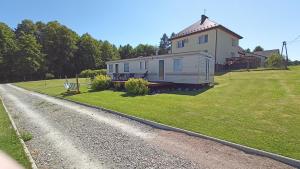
pixel 9 141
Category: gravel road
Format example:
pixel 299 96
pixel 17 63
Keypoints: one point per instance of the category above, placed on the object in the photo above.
pixel 68 135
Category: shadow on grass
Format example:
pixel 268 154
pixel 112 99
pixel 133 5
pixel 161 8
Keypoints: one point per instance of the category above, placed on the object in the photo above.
pixel 189 92
pixel 259 69
pixel 70 93
pixel 185 92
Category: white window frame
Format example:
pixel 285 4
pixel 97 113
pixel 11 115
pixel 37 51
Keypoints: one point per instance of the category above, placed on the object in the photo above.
pixel 126 67
pixel 203 39
pixel 110 68
pixel 177 65
pixel 181 43
pixel 141 65
pixel 146 64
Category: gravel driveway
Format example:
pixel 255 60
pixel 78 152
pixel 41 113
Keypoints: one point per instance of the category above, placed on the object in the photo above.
pixel 68 135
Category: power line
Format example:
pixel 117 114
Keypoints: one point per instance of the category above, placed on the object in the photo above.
pixel 294 40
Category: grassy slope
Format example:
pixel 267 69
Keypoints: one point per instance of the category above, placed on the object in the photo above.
pixel 9 141
pixel 259 108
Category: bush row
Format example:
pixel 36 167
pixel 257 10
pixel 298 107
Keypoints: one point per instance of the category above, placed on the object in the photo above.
pixel 132 86
pixel 88 73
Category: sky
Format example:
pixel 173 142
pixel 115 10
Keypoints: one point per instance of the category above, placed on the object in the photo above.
pixel 260 22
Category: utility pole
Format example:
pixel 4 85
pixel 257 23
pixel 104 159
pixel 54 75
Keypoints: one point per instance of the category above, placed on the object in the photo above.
pixel 286 53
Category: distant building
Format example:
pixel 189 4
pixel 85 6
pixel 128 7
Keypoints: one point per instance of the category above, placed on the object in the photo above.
pixel 262 55
pixel 210 37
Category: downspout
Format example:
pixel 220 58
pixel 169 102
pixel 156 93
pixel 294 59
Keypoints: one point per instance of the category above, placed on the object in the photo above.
pixel 216 45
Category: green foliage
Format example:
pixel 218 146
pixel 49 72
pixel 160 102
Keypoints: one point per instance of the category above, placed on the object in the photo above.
pixel 26 136
pixel 101 82
pixel 126 51
pixel 275 61
pixel 60 45
pixel 34 49
pixel 29 58
pixel 9 141
pixel 137 86
pixel 8 48
pixel 108 52
pixel 164 45
pixel 247 50
pixel 145 50
pixel 26 27
pixel 88 51
pixel 92 73
pixel 49 76
pixel 117 85
pixel 258 48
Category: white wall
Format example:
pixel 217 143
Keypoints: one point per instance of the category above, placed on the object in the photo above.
pixel 224 44
pixel 193 68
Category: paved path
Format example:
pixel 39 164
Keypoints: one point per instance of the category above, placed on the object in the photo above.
pixel 68 135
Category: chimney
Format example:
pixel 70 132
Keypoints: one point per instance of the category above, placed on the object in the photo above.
pixel 203 17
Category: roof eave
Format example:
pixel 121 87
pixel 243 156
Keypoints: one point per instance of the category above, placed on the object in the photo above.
pixel 219 26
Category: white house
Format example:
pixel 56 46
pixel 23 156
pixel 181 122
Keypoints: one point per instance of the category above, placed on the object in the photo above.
pixel 207 36
pixel 189 68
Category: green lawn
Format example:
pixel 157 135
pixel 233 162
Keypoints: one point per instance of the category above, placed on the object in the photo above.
pixel 260 109
pixel 9 141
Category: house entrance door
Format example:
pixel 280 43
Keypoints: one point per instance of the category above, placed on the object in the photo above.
pixel 117 68
pixel 161 71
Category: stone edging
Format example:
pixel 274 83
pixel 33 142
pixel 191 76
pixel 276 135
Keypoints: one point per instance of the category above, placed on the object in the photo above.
pixel 33 165
pixel 246 149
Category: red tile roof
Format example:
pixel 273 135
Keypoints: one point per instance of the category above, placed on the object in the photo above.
pixel 202 25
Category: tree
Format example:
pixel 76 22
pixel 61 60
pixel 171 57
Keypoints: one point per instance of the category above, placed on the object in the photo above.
pixel 247 50
pixel 59 45
pixel 88 51
pixel 258 48
pixel 27 27
pixel 108 52
pixel 126 51
pixel 275 61
pixel 164 45
pixel 144 50
pixel 29 56
pixel 8 49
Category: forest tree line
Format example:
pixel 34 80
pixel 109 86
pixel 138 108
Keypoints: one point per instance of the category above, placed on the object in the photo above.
pixel 32 50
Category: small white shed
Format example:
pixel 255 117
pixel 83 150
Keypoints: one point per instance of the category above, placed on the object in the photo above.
pixel 188 68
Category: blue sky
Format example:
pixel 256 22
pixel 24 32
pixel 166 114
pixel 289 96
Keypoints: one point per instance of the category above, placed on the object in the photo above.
pixel 266 23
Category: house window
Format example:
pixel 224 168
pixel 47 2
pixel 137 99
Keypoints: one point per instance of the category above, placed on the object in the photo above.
pixel 126 67
pixel 177 65
pixel 141 65
pixel 146 64
pixel 110 68
pixel 181 43
pixel 203 39
pixel 235 42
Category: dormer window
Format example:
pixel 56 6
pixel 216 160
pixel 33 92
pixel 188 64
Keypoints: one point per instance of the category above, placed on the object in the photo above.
pixel 181 43
pixel 203 39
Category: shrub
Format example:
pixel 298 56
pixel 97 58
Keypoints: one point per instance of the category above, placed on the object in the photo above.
pixel 275 61
pixel 117 85
pixel 100 72
pixel 101 82
pixel 137 86
pixel 49 76
pixel 88 73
